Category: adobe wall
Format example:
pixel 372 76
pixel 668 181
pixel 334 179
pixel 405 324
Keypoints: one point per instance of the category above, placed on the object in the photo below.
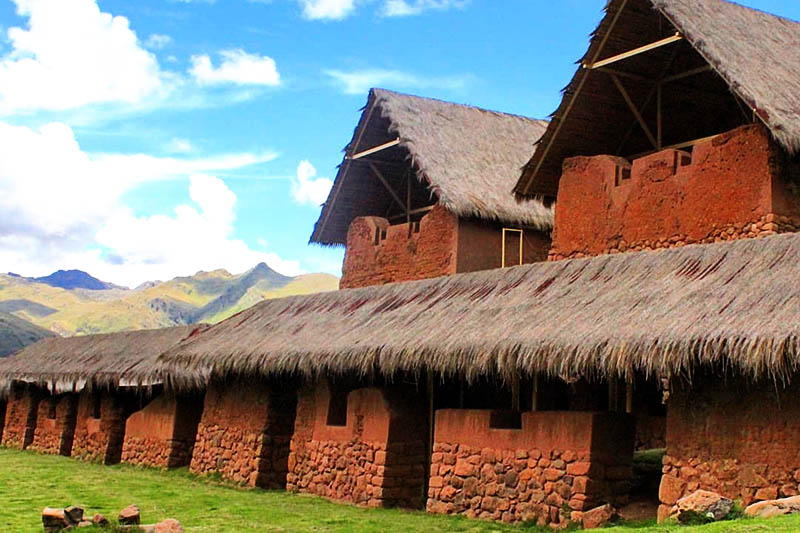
pixel 162 434
pixel 480 246
pixel 244 433
pixel 733 186
pixel 732 437
pixel 55 435
pixel 99 439
pixel 2 418
pixel 402 255
pixel 378 459
pixel 552 469
pixel 20 420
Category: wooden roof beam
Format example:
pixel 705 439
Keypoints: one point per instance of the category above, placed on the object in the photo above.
pixel 635 111
pixel 635 52
pixel 376 149
pixel 385 182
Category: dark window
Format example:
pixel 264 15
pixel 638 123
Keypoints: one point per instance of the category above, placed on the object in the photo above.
pixel 337 408
pixel 96 405
pixel 51 413
pixel 505 420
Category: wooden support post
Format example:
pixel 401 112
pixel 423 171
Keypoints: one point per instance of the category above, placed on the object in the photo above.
pixel 629 397
pixel 613 395
pixel 660 125
pixel 408 199
pixel 535 395
pixel 634 109
pixel 386 184
pixel 515 400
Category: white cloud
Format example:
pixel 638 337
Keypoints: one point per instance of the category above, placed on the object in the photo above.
pixel 237 67
pixel 306 189
pixel 157 41
pixel 71 55
pixel 361 81
pixel 66 210
pixel 327 9
pixel 179 146
pixel 402 8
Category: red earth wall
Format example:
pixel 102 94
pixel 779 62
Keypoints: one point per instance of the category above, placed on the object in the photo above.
pixel 54 435
pixel 162 434
pixel 377 459
pixel 20 420
pixel 244 433
pixel 733 186
pixel 99 439
pixel 444 245
pixel 2 418
pixel 732 437
pixel 552 469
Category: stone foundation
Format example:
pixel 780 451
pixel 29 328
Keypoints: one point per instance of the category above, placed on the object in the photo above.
pixel 55 425
pixel 557 465
pixel 376 459
pixel 20 419
pixel 245 432
pixel 731 437
pixel 162 434
pixel 99 439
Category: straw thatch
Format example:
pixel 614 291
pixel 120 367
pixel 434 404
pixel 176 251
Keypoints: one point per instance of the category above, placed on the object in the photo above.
pixel 465 158
pixel 754 56
pixel 659 313
pixel 107 360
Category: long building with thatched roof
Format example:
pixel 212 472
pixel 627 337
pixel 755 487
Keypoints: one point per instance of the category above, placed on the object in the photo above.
pixel 424 191
pixel 99 397
pixel 664 315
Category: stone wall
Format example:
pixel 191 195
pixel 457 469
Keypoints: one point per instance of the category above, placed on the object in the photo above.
pixel 244 433
pixel 99 439
pixel 55 424
pixel 732 437
pixel 377 459
pixel 20 420
pixel 378 253
pixel 162 434
pixel 557 465
pixel 736 185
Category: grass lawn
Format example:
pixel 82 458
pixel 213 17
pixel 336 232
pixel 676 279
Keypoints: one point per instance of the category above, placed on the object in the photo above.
pixel 30 482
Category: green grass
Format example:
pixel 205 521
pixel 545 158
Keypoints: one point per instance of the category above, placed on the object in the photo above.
pixel 30 482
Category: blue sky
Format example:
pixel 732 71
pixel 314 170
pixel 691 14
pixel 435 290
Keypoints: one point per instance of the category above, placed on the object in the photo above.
pixel 153 138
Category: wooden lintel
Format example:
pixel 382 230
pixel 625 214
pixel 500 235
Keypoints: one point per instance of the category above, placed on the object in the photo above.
pixel 385 182
pixel 687 74
pixel 375 149
pixel 635 110
pixel 636 51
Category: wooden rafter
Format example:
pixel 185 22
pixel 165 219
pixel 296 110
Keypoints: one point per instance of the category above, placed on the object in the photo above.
pixel 635 110
pixel 578 90
pixel 375 149
pixel 385 182
pixel 687 74
pixel 636 51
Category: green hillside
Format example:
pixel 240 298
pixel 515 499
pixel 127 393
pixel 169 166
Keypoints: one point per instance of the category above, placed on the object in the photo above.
pixel 16 333
pixel 204 297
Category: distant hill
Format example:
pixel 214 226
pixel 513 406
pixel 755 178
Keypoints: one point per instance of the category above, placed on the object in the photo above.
pixel 203 297
pixel 75 279
pixel 16 333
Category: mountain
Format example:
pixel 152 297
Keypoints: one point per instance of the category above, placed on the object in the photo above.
pixel 203 297
pixel 75 279
pixel 16 333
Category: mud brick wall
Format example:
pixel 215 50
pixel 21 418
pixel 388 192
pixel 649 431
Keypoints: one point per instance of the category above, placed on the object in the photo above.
pixel 558 465
pixel 736 185
pixel 377 459
pixel 2 418
pixel 245 432
pixel 732 437
pixel 99 439
pixel 162 434
pixel 55 435
pixel 20 420
pixel 402 255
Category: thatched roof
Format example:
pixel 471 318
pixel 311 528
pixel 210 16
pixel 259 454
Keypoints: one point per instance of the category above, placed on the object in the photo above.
pixel 463 157
pixel 755 60
pixel 652 312
pixel 111 359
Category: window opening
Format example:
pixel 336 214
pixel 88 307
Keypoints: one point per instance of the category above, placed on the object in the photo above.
pixel 511 231
pixel 337 407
